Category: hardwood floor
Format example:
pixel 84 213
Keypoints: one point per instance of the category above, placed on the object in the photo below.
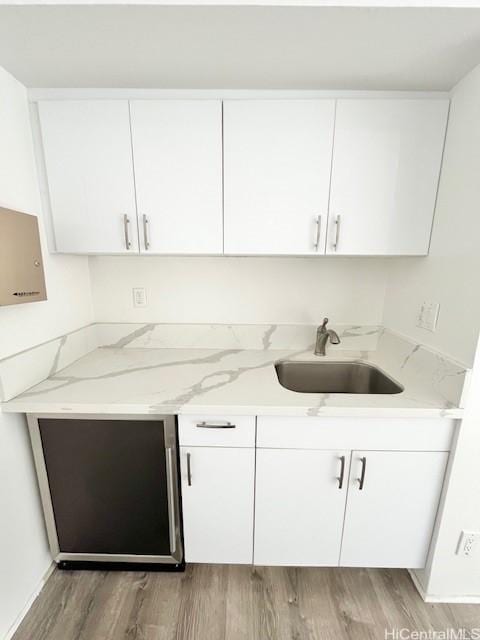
pixel 220 602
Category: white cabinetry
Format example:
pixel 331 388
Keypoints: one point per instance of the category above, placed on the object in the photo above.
pixel 177 149
pixel 217 496
pixel 390 514
pixel 300 177
pixel 378 190
pixel 386 164
pixel 312 497
pixel 277 156
pixel 299 506
pixel 88 160
pixel 383 514
pixel 217 462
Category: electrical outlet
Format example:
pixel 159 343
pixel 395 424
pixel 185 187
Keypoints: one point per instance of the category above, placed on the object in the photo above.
pixel 139 297
pixel 468 543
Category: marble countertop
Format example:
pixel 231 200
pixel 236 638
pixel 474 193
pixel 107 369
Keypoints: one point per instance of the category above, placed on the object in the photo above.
pixel 230 381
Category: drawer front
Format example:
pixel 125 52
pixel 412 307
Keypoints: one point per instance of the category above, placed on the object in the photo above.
pixel 216 431
pixel 401 434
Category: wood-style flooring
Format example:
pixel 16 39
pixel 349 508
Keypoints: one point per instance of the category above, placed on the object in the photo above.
pixel 220 602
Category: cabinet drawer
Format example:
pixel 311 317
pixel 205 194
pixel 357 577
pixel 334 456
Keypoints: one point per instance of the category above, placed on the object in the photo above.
pixel 400 434
pixel 217 431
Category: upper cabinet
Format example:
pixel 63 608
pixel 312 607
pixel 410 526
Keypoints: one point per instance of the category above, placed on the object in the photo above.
pixel 386 165
pixel 175 174
pixel 277 157
pixel 88 158
pixel 300 177
pixel 369 170
pixel 177 152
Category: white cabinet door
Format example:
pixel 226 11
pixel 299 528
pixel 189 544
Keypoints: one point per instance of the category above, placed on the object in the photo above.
pixel 299 506
pixel 277 157
pixel 217 497
pixel 177 149
pixel 89 167
pixel 386 165
pixel 389 520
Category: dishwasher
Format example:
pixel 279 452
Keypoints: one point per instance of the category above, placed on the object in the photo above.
pixel 109 490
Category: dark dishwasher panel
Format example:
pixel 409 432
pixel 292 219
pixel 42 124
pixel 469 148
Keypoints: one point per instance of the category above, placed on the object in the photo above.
pixel 111 486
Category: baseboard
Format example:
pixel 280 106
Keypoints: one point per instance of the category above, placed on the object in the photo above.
pixel 439 599
pixel 29 602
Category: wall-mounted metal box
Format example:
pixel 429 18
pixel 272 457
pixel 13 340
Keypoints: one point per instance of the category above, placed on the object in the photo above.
pixel 22 278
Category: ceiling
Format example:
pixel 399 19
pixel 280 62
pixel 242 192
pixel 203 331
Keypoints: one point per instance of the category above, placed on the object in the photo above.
pixel 234 47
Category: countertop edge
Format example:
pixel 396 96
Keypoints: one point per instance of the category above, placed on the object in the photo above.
pixel 314 412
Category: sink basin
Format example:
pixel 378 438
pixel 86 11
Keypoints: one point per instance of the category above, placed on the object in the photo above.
pixel 334 377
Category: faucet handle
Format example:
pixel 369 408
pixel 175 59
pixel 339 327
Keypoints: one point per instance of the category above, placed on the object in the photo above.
pixel 324 323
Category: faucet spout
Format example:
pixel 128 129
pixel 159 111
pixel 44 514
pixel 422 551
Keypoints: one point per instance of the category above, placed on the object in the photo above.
pixel 323 336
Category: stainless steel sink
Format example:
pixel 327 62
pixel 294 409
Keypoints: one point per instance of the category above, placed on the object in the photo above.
pixel 334 377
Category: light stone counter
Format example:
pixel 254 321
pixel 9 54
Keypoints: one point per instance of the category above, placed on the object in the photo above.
pixel 121 378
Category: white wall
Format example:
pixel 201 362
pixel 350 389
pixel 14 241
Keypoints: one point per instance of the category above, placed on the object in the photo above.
pixel 24 556
pixel 240 290
pixel 450 274
pixel 68 287
pixel 449 575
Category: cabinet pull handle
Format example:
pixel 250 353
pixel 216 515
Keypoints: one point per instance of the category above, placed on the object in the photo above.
pixel 215 425
pixel 126 222
pixel 342 472
pixel 318 222
pixel 145 232
pixel 361 480
pixel 337 232
pixel 171 501
pixel 189 470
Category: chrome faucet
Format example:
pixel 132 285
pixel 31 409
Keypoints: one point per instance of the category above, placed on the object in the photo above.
pixel 323 334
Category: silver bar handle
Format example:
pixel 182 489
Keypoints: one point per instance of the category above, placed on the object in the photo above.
pixel 361 480
pixel 342 472
pixel 171 502
pixel 126 222
pixel 215 425
pixel 189 470
pixel 145 232
pixel 337 232
pixel 318 222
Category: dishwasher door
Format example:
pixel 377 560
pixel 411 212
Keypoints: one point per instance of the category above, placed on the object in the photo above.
pixel 109 488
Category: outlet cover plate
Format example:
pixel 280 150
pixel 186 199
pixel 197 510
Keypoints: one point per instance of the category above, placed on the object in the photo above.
pixel 139 297
pixel 468 543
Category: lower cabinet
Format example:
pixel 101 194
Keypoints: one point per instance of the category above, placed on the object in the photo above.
pixel 299 506
pixel 218 503
pixel 303 491
pixel 390 514
pixel 386 507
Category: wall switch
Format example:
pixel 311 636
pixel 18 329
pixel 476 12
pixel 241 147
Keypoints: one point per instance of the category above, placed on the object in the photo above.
pixel 431 318
pixel 468 543
pixel 428 316
pixel 139 297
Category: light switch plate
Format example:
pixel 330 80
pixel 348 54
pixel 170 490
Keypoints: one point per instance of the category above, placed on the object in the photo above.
pixel 139 297
pixel 432 316
pixel 428 316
